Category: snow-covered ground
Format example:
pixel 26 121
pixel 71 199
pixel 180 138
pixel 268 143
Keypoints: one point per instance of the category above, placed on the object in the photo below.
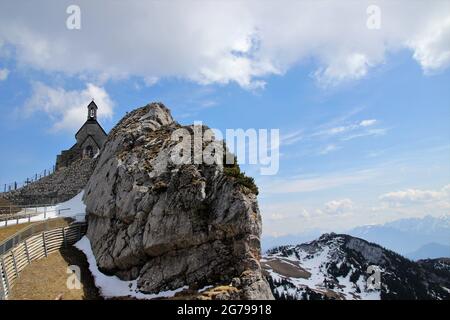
pixel 316 262
pixel 73 208
pixel 109 286
pixel 112 286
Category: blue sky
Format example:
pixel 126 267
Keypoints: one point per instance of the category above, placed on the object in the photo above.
pixel 362 141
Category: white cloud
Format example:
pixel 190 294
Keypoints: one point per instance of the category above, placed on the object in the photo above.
pixel 329 148
pixel 366 133
pixel 150 81
pixel 4 74
pixel 364 207
pixel 367 123
pixel 285 211
pixel 361 128
pixel 351 131
pixel 292 137
pixel 67 109
pixel 332 135
pixel 338 206
pixel 416 196
pixel 307 184
pixel 361 125
pixel 350 67
pixel 432 46
pixel 226 41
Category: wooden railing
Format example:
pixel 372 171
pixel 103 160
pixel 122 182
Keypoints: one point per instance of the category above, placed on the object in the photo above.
pixel 34 247
pixel 25 217
pixel 13 209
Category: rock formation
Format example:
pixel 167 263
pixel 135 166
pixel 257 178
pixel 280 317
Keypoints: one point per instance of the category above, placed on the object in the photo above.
pixel 172 225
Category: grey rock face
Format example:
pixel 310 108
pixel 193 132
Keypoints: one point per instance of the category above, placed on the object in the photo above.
pixel 372 254
pixel 170 225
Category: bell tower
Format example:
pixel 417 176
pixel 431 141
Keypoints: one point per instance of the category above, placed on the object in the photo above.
pixel 92 111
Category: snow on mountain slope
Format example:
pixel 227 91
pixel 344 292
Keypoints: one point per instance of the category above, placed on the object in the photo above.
pixel 336 267
pixel 425 225
pixel 407 235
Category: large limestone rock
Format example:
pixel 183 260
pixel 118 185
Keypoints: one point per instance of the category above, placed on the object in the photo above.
pixel 171 225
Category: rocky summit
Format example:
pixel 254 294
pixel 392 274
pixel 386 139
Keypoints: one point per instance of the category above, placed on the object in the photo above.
pixel 170 225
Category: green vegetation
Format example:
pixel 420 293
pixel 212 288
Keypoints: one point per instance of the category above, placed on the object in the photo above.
pixel 233 170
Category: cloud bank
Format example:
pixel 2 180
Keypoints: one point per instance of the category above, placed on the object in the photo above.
pixel 4 74
pixel 418 196
pixel 224 41
pixel 68 108
pixel 338 206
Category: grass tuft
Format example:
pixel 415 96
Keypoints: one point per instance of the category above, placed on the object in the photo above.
pixel 233 170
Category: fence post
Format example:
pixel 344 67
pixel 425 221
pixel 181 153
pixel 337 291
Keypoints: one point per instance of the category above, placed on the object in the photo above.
pixel 2 286
pixel 45 212
pixel 64 237
pixel 5 275
pixel 27 253
pixel 14 263
pixel 29 217
pixel 45 246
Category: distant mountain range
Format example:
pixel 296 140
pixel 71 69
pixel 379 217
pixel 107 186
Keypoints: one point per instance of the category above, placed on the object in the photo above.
pixel 269 242
pixel 430 251
pixel 337 266
pixel 415 238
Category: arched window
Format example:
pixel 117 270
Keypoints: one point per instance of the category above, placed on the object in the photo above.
pixel 89 152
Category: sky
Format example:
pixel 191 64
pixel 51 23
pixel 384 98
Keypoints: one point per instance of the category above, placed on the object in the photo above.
pixel 359 91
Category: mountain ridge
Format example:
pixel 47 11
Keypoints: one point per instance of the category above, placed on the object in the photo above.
pixel 404 236
pixel 431 250
pixel 336 266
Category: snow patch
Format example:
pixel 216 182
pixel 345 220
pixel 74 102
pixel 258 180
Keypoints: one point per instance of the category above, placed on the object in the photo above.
pixel 73 208
pixel 315 257
pixel 112 286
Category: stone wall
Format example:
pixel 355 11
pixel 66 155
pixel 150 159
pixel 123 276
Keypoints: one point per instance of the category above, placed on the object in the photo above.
pixel 58 187
pixel 67 157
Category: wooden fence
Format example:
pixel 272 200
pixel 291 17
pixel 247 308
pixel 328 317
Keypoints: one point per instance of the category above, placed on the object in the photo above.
pixel 11 210
pixel 24 217
pixel 33 248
